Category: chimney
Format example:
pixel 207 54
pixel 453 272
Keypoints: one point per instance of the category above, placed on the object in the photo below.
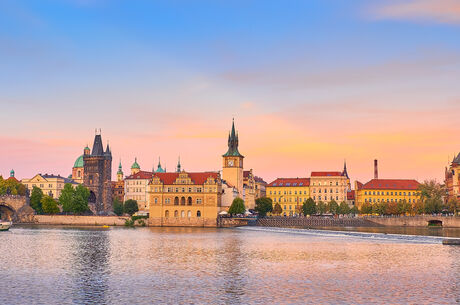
pixel 376 169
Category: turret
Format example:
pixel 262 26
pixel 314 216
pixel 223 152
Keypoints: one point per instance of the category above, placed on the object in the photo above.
pixel 120 172
pixel 135 168
pixel 12 173
pixel 178 169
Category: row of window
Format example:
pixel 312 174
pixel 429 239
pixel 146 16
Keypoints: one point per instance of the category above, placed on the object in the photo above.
pixel 326 198
pixel 182 214
pixel 284 199
pixel 388 200
pixel 390 193
pixel 42 185
pixel 290 193
pixel 330 183
pixel 181 201
pixel 325 190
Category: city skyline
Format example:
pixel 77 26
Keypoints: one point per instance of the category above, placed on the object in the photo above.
pixel 165 78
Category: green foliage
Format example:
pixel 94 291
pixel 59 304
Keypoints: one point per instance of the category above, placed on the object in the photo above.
pixel 130 207
pixel 343 209
pixel 403 207
pixel 277 209
pixel 66 198
pixel 129 223
pixel 309 207
pixel 35 199
pixel 354 210
pixel 237 207
pixel 366 208
pixel 453 205
pixel 80 200
pixel 49 205
pixel 321 207
pixel 12 186
pixel 379 208
pixel 333 207
pixel 431 194
pixel 264 205
pixel 117 207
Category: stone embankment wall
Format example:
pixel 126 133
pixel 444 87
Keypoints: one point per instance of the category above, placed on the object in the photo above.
pixel 309 222
pixel 415 221
pixel 182 222
pixel 80 220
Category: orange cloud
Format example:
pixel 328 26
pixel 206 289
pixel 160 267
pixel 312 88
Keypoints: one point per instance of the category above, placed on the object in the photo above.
pixel 444 11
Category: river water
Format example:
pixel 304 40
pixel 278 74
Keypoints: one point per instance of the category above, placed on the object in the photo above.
pixel 252 265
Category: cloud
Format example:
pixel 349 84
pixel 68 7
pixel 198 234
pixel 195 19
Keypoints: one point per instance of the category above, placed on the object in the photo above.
pixel 442 11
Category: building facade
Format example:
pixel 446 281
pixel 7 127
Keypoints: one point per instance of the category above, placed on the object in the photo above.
pixel 185 199
pixel 452 179
pixel 327 186
pixel 118 187
pixel 136 188
pixel 97 176
pixel 51 185
pixel 387 190
pixel 78 168
pixel 290 193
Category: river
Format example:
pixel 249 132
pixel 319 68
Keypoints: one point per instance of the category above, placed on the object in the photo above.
pixel 251 265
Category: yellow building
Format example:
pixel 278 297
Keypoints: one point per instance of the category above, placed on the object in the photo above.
pixel 51 185
pixel 290 193
pixel 327 186
pixel 185 199
pixel 387 190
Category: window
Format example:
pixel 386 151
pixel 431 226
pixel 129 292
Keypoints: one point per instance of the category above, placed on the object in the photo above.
pixel 166 214
pixel 189 200
pixel 182 214
pixel 176 213
pixel 285 207
pixel 156 200
pixel 198 200
pixel 189 214
pixel 176 200
pixel 182 200
pixel 198 213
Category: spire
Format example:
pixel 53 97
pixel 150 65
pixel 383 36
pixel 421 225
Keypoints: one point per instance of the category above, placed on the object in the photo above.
pixel 233 127
pixel 233 143
pixel 178 165
pixel 159 168
pixel 107 150
pixel 98 150
pixel 345 172
pixel 120 170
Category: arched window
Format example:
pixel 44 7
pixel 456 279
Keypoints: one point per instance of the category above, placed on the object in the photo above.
pixel 198 214
pixel 182 213
pixel 189 200
pixel 182 200
pixel 189 214
pixel 78 174
pixel 176 213
pixel 176 200
pixel 166 214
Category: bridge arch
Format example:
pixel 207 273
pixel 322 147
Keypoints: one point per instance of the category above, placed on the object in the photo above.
pixel 435 223
pixel 6 212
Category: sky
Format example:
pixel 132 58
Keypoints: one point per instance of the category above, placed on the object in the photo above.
pixel 310 84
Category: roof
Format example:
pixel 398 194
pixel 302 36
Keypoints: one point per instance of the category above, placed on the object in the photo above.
pixel 259 179
pixel 135 164
pixel 141 175
pixel 457 159
pixel 197 178
pixel 391 184
pixel 12 178
pixel 290 182
pixel 326 174
pixel 98 150
pixel 66 180
pixel 79 162
pixel 359 185
pixel 233 144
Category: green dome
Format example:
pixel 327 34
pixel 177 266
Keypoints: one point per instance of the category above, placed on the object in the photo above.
pixel 79 162
pixel 135 165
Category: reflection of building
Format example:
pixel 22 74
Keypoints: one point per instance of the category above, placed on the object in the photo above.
pixel 118 187
pixel 185 199
pixel 290 193
pixel 387 190
pixel 97 173
pixel 51 185
pixel 327 186
pixel 78 167
pixel 453 179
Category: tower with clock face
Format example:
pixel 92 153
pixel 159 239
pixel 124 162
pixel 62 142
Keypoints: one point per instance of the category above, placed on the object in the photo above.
pixel 232 171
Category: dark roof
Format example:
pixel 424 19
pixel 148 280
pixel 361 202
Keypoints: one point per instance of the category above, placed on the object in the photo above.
pixel 98 150
pixel 66 180
pixel 457 159
pixel 290 182
pixel 233 144
pixel 391 184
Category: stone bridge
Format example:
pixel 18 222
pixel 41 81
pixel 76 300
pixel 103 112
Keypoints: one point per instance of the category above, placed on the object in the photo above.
pixel 15 208
pixel 416 221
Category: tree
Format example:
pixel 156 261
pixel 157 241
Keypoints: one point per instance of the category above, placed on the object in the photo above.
pixel 321 207
pixel 379 208
pixel 333 207
pixel 453 205
pixel 391 208
pixel 263 206
pixel 237 207
pixel 366 208
pixel 403 207
pixel 418 207
pixel 12 186
pixel 432 194
pixel 117 207
pixel 354 210
pixel 277 210
pixel 130 207
pixel 309 207
pixel 49 205
pixel 66 199
pixel 80 200
pixel 35 199
pixel 343 208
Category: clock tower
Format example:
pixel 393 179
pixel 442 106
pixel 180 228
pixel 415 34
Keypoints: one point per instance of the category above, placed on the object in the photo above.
pixel 232 171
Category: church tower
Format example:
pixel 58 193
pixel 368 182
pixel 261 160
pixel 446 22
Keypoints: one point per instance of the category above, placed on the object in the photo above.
pixel 232 171
pixel 120 173
pixel 97 176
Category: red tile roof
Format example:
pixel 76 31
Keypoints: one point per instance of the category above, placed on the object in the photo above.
pixel 259 179
pixel 141 175
pixel 291 181
pixel 359 185
pixel 326 174
pixel 351 195
pixel 197 178
pixel 391 184
pixel 12 178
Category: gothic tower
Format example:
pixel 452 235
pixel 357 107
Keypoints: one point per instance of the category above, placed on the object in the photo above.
pixel 98 175
pixel 232 171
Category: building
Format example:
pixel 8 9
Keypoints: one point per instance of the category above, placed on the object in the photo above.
pixel 79 168
pixel 328 186
pixel 51 185
pixel 136 188
pixel 387 190
pixel 290 193
pixel 118 187
pixel 185 199
pixel 452 179
pixel 253 187
pixel 232 169
pixel 97 174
